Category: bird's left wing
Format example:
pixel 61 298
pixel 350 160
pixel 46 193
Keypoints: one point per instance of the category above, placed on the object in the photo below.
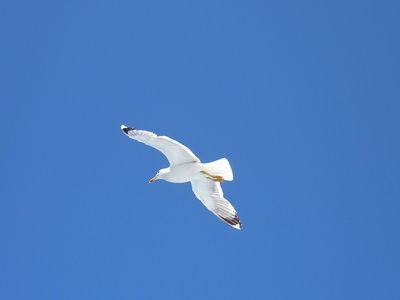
pixel 175 152
pixel 211 195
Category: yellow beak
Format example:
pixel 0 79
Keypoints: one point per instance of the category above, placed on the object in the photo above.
pixel 155 178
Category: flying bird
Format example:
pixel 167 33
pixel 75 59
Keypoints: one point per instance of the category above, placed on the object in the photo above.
pixel 185 167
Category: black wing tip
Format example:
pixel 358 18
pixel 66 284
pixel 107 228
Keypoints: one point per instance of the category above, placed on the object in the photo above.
pixel 126 129
pixel 234 222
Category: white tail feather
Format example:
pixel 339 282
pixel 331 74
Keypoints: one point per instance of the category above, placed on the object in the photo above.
pixel 220 167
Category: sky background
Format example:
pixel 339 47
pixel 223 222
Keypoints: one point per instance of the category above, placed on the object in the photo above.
pixel 302 97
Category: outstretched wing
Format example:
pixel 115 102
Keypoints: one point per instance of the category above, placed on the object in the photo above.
pixel 175 152
pixel 210 194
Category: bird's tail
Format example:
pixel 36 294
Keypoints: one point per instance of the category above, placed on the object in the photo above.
pixel 220 167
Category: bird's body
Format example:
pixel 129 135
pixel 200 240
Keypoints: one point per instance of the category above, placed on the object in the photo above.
pixel 186 167
pixel 183 173
pixel 196 171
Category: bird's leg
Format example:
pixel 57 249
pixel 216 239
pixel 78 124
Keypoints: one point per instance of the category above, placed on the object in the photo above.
pixel 218 179
pixel 205 173
pixel 213 178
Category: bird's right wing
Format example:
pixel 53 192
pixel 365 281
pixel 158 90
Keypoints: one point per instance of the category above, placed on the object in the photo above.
pixel 211 195
pixel 175 152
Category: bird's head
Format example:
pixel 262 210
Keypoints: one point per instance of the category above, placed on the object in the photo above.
pixel 160 174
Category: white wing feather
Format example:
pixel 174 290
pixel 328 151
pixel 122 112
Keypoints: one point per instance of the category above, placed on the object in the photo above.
pixel 211 195
pixel 175 152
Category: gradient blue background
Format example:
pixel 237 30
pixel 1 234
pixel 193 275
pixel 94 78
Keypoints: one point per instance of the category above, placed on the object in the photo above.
pixel 302 97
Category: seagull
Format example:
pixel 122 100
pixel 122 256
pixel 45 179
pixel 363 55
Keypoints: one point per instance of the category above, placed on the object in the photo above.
pixel 185 166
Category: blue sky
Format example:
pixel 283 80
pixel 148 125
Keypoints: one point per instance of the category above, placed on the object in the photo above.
pixel 302 97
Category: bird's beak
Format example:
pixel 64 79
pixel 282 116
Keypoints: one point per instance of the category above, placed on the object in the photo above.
pixel 155 178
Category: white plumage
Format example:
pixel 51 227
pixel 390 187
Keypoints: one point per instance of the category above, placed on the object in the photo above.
pixel 185 167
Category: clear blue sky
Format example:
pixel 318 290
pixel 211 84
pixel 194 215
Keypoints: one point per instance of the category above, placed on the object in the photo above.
pixel 302 97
